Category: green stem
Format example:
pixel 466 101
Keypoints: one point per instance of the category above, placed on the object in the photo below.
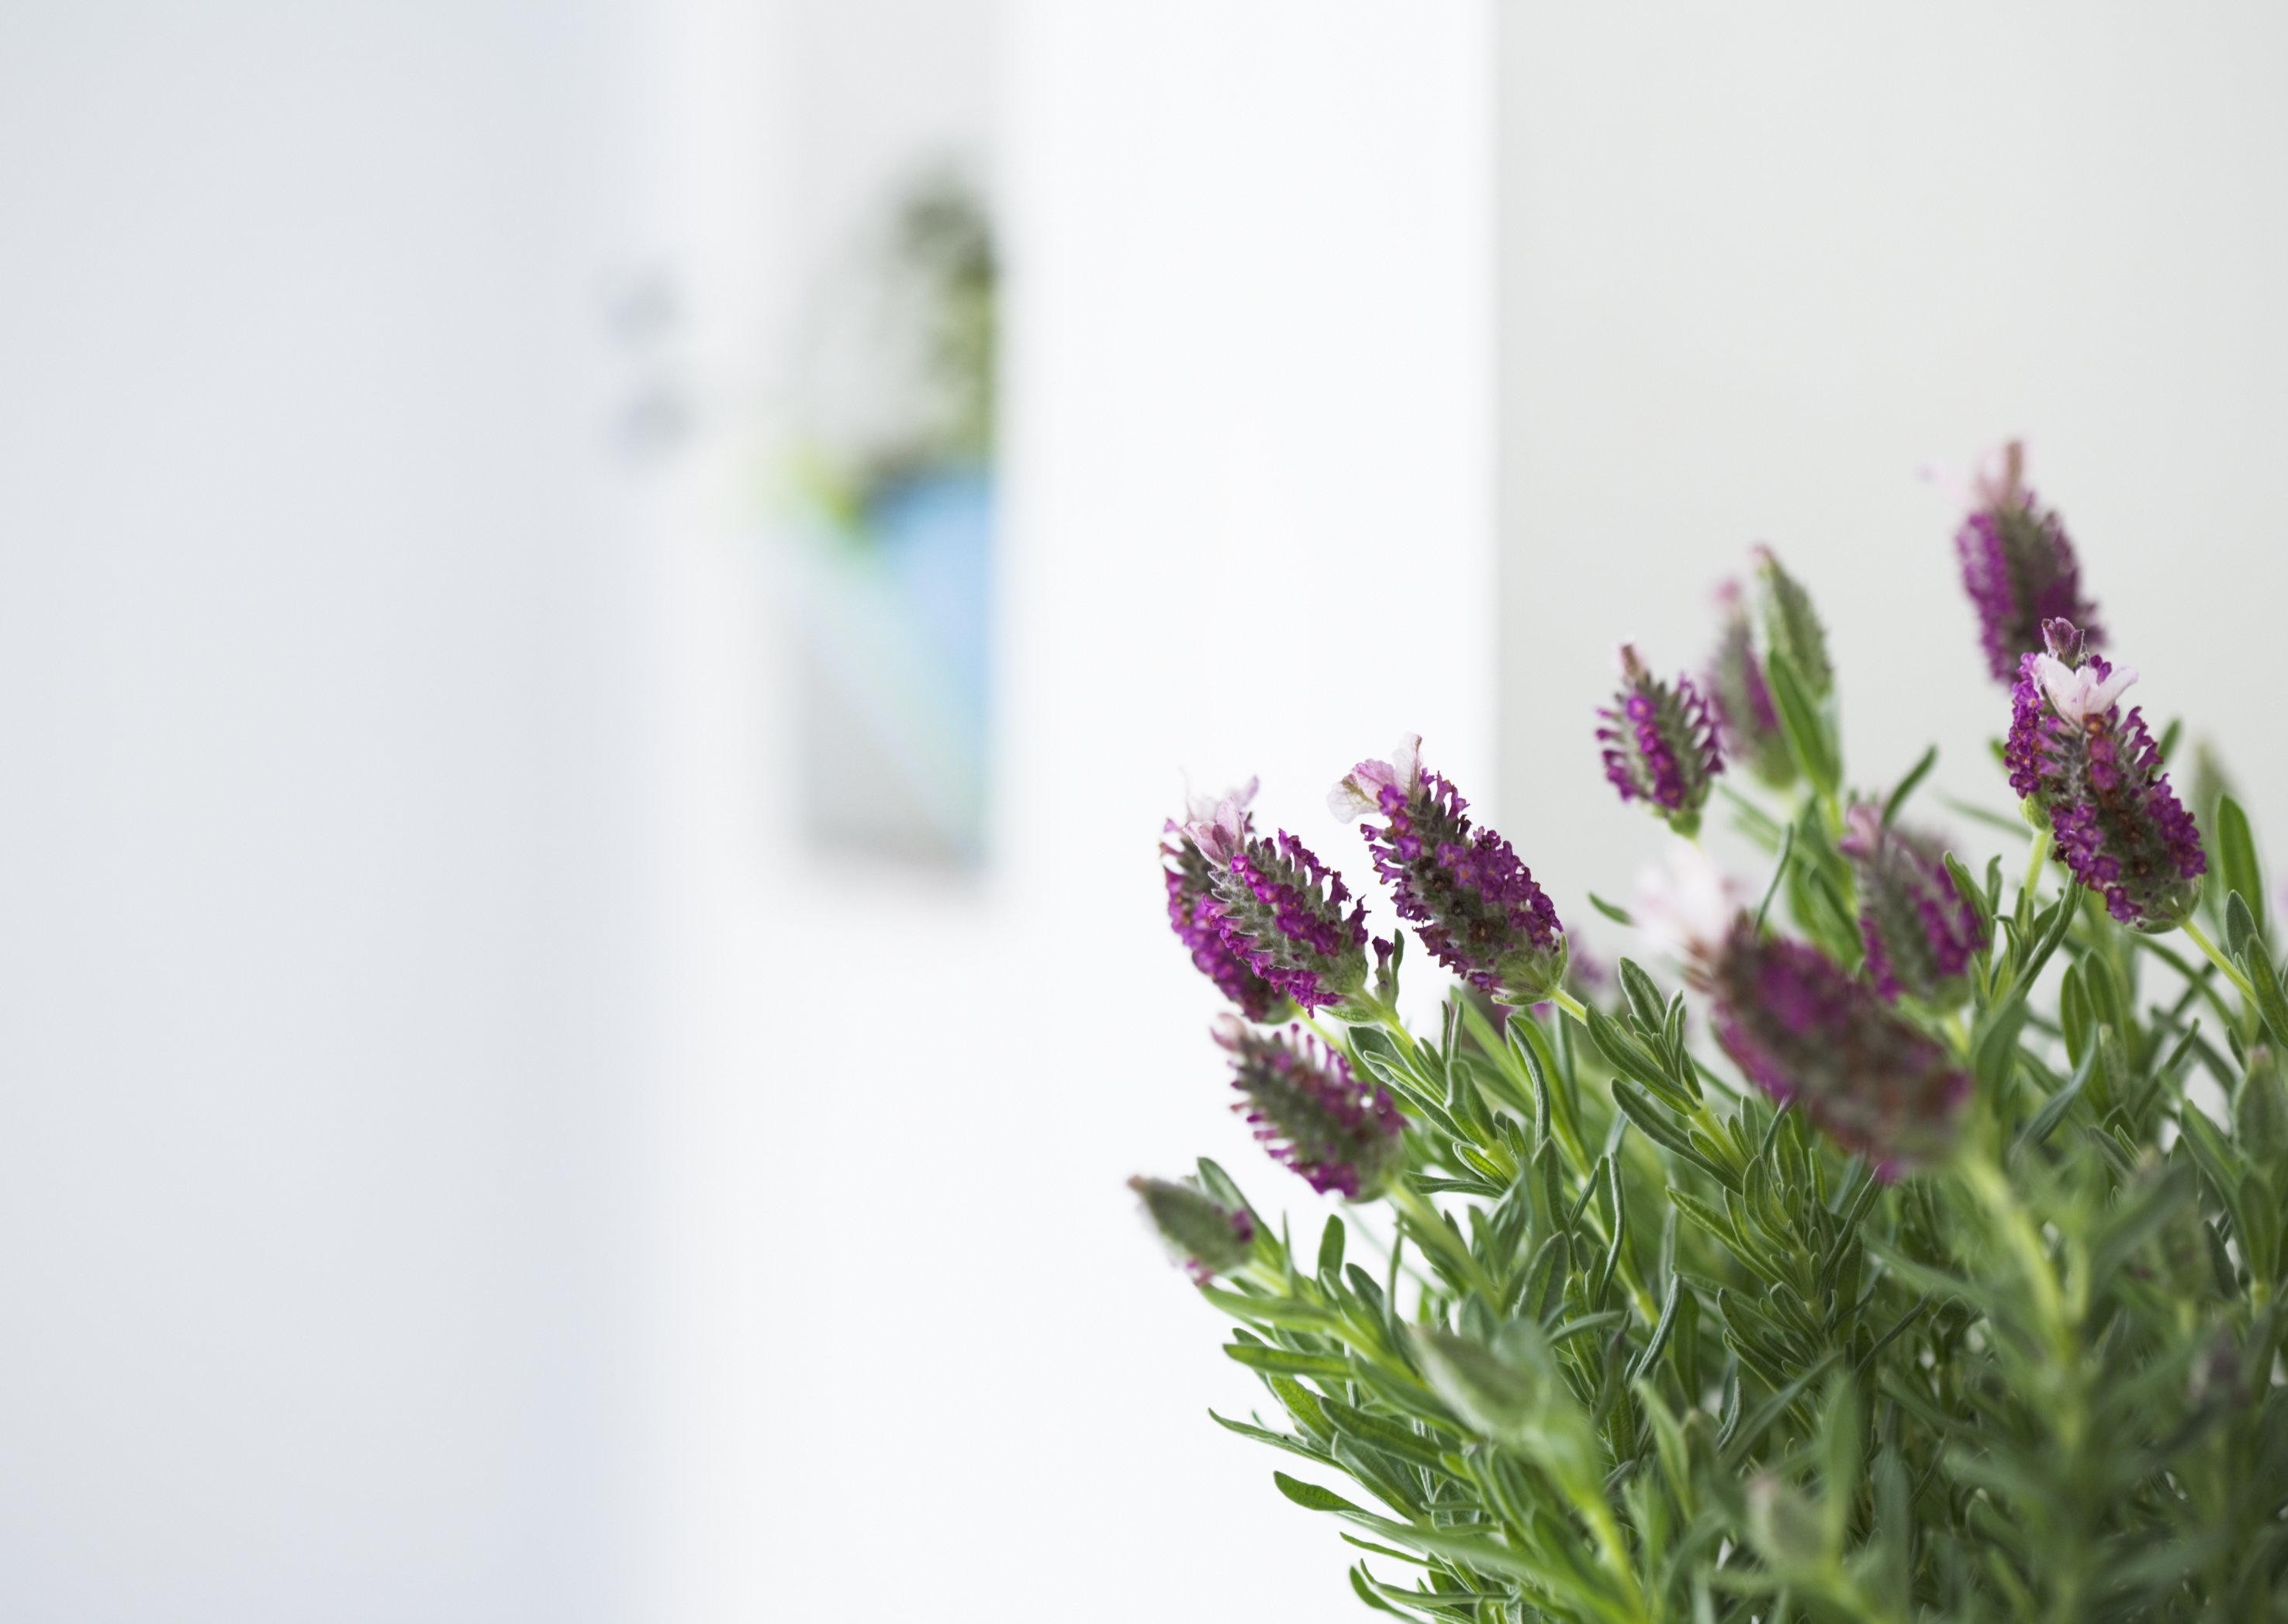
pixel 1571 1005
pixel 2035 859
pixel 2232 971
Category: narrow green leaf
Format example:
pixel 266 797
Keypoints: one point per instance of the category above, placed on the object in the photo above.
pixel 1915 776
pixel 1618 915
pixel 1312 1497
pixel 1970 893
pixel 1287 1441
pixel 1644 1361
pixel 2239 924
pixel 2054 1109
pixel 1743 1443
pixel 1331 1249
pixel 1363 1585
pixel 1801 725
pixel 2237 865
pixel 1779 874
pixel 2257 966
pixel 1287 1362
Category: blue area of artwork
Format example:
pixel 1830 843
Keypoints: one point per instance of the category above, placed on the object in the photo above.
pixel 936 534
pixel 896 612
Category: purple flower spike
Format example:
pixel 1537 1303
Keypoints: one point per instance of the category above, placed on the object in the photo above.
pixel 1201 1233
pixel 1919 931
pixel 2096 775
pixel 1805 1032
pixel 1740 699
pixel 1475 905
pixel 1660 744
pixel 1312 1114
pixel 1279 910
pixel 2018 565
pixel 1190 884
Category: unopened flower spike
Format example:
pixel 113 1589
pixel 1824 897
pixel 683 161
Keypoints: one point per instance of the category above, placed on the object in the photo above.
pixel 1919 931
pixel 1810 1035
pixel 2094 778
pixel 1799 1027
pixel 1190 879
pixel 1791 627
pixel 2018 565
pixel 1660 744
pixel 1740 698
pixel 1201 1233
pixel 1312 1113
pixel 1474 904
pixel 1279 910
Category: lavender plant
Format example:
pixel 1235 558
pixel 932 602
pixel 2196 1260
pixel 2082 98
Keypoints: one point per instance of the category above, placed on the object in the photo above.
pixel 1940 1279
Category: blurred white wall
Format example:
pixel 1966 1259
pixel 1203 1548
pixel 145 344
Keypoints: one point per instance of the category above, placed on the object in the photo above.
pixel 316 853
pixel 902 1336
pixel 1762 261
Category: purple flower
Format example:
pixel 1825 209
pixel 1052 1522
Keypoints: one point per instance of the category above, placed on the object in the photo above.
pixel 1190 882
pixel 2097 777
pixel 1475 905
pixel 1740 699
pixel 2018 565
pixel 1921 933
pixel 1660 744
pixel 1311 1112
pixel 1278 909
pixel 1201 1233
pixel 1805 1032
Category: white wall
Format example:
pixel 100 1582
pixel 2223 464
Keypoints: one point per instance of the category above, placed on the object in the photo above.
pixel 1762 261
pixel 456 1160
pixel 315 852
pixel 929 1357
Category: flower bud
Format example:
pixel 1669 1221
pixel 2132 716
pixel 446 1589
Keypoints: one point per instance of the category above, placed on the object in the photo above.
pixel 1279 910
pixel 1191 883
pixel 1791 625
pixel 1475 905
pixel 1808 1035
pixel 1311 1112
pixel 1660 744
pixel 2017 564
pixel 1740 699
pixel 1201 1233
pixel 1919 931
pixel 2095 778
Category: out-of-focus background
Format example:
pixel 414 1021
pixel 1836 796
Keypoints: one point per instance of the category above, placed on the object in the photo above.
pixel 601 604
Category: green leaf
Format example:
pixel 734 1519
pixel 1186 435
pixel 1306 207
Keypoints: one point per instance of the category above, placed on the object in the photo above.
pixel 1331 1249
pixel 1287 1441
pixel 1618 915
pixel 1742 1444
pixel 1287 1362
pixel 1644 1361
pixel 2239 924
pixel 1363 1584
pixel 1779 874
pixel 1312 1497
pixel 1970 893
pixel 2053 1110
pixel 1641 1111
pixel 2236 865
pixel 1291 1311
pixel 2257 966
pixel 1803 728
pixel 1915 776
pixel 1645 1001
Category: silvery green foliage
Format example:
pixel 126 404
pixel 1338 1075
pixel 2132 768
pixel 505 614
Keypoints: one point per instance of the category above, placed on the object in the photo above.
pixel 1649 1347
